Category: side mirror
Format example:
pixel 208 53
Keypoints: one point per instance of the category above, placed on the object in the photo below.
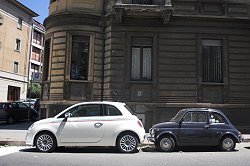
pixel 67 115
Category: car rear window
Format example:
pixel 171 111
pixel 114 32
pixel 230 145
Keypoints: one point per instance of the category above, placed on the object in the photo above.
pixel 2 105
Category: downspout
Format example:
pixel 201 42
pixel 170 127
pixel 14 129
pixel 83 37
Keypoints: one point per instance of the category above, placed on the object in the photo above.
pixel 103 55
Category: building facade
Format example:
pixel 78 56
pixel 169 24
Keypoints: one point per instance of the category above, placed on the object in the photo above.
pixel 37 48
pixel 158 56
pixel 15 37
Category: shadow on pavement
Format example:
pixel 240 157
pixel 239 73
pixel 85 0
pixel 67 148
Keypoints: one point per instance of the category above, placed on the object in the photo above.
pixel 186 149
pixel 247 148
pixel 111 150
pixel 16 126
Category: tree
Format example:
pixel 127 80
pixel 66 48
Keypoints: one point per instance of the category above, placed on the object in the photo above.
pixel 34 90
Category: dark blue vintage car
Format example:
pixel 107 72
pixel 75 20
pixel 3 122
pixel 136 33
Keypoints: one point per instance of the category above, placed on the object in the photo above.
pixel 195 127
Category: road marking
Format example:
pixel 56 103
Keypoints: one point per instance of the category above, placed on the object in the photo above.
pixel 9 150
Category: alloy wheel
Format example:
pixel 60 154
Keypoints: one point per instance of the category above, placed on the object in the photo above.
pixel 45 143
pixel 128 143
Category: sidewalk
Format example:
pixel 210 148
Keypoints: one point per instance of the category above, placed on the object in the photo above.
pixel 14 135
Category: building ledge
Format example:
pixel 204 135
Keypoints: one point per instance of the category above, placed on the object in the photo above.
pixel 137 10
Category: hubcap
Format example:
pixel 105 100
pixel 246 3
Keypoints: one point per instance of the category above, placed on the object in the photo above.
pixel 45 143
pixel 128 143
pixel 228 143
pixel 166 144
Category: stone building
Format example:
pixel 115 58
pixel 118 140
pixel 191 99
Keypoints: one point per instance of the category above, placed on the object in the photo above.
pixel 15 38
pixel 158 56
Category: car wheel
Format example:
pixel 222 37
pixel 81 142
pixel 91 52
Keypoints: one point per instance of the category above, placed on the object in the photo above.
pixel 45 142
pixel 10 120
pixel 166 144
pixel 227 143
pixel 127 143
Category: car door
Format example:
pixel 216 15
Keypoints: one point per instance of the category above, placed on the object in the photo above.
pixel 23 110
pixel 193 129
pixel 3 112
pixel 84 124
pixel 218 125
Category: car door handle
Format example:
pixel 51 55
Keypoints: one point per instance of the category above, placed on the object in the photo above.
pixel 98 125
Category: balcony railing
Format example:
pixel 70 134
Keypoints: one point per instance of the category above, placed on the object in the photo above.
pixel 146 2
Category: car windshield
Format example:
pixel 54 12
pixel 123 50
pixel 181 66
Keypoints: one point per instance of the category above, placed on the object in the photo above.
pixel 178 116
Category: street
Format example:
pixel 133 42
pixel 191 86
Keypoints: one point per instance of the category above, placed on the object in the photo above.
pixel 110 157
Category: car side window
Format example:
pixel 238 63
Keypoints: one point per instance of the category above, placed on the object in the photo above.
pixel 195 117
pixel 13 105
pixel 85 111
pixel 21 105
pixel 216 118
pixel 110 110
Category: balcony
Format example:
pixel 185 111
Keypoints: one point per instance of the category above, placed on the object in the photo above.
pixel 145 2
pixel 145 8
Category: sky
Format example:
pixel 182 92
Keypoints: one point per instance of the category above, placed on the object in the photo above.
pixel 38 6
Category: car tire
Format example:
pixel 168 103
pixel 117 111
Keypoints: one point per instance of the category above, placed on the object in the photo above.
pixel 166 144
pixel 227 143
pixel 45 142
pixel 127 143
pixel 10 120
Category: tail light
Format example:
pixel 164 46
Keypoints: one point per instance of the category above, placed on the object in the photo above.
pixel 139 123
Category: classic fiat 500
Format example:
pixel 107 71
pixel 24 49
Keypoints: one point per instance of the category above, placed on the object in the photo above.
pixel 195 127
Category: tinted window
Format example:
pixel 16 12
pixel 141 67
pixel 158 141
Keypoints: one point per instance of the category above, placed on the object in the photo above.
pixel 85 110
pixel 216 118
pixel 13 105
pixel 2 105
pixel 110 110
pixel 21 105
pixel 196 117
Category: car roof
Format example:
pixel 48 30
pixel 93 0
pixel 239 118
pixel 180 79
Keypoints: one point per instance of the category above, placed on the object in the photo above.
pixel 202 109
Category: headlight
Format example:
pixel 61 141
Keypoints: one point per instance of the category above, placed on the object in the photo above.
pixel 151 131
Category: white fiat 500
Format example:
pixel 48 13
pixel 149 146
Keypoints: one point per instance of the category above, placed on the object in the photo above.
pixel 89 124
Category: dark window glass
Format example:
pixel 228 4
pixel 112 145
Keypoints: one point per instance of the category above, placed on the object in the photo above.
pixel 141 59
pixel 195 117
pixel 46 60
pixel 110 110
pixel 85 110
pixel 216 118
pixel 16 66
pixel 21 105
pixel 18 45
pixel 149 2
pixel 79 58
pixel 212 61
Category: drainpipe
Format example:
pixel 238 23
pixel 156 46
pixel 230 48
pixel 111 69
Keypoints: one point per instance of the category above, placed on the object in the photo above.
pixel 103 55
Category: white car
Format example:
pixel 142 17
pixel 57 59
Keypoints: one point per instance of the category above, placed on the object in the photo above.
pixel 89 124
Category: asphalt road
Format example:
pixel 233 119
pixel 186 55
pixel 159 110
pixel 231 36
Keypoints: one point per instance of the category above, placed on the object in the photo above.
pixel 110 157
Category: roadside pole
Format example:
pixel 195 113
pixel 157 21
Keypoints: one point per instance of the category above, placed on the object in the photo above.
pixel 31 81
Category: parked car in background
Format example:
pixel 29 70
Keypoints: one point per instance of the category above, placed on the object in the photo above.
pixel 89 124
pixel 15 111
pixel 29 101
pixel 195 127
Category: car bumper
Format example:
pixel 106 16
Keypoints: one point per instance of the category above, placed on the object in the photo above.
pixel 30 137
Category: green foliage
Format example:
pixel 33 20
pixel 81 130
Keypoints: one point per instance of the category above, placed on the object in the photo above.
pixel 35 90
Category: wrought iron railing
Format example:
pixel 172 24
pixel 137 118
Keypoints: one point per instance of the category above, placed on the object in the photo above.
pixel 146 2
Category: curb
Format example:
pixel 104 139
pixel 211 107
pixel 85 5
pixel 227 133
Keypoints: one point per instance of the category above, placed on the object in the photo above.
pixel 13 143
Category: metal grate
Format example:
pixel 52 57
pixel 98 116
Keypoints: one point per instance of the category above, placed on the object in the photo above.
pixel 212 62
